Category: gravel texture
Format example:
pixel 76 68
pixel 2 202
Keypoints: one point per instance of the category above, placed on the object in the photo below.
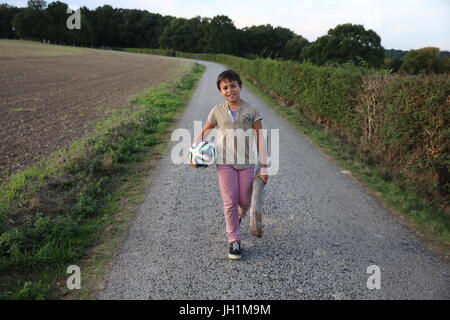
pixel 321 231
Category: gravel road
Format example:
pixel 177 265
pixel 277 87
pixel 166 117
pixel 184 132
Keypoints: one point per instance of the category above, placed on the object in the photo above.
pixel 321 232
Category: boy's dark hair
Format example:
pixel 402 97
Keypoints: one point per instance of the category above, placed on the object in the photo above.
pixel 229 75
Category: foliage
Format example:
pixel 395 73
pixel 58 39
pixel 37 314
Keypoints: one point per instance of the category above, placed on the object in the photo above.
pixel 31 23
pixel 57 12
pixel 392 53
pixel 293 48
pixel 425 60
pixel 393 64
pixel 184 35
pixel 7 14
pixel 220 36
pixel 115 27
pixel 347 42
pixel 266 41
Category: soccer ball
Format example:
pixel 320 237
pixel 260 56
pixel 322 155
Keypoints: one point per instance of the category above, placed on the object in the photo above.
pixel 203 154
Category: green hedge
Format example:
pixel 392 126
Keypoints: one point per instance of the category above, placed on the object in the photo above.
pixel 415 130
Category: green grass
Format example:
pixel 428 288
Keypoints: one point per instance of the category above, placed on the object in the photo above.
pixel 432 224
pixel 53 213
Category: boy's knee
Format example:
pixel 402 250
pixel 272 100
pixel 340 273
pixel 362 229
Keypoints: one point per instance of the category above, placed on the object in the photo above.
pixel 230 203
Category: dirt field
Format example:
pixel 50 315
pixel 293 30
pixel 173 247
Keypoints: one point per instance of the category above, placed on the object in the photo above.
pixel 50 98
pixel 19 48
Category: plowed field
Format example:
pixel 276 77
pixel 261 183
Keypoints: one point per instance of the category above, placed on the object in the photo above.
pixel 51 95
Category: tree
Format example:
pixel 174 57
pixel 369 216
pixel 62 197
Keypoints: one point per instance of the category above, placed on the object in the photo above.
pixel 242 43
pixel 32 24
pixel 393 53
pixel 347 42
pixel 105 26
pixel 445 64
pixel 85 35
pixel 425 60
pixel 267 41
pixel 7 14
pixel 130 30
pixel 57 30
pixel 184 35
pixel 200 27
pixel 174 35
pixel 293 48
pixel 393 64
pixel 221 36
pixel 139 29
pixel 320 51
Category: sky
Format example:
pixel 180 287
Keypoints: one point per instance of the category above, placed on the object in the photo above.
pixel 401 24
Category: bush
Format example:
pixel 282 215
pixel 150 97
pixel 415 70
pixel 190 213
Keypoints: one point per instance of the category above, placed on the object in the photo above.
pixel 393 64
pixel 425 60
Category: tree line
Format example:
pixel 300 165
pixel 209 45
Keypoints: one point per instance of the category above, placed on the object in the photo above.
pixel 115 27
pixel 120 28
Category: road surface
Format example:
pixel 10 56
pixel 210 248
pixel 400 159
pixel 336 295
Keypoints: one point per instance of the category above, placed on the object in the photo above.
pixel 321 232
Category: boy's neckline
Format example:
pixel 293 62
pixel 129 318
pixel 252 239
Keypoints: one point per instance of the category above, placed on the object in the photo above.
pixel 239 106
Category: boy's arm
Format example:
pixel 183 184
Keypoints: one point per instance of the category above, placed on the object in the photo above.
pixel 204 132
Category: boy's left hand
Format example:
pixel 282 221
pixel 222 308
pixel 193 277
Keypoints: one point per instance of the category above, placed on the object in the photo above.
pixel 264 177
pixel 263 173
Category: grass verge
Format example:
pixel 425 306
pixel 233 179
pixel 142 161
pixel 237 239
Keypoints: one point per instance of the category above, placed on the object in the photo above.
pixel 73 208
pixel 429 222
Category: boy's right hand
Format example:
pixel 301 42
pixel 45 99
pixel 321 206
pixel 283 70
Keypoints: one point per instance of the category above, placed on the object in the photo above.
pixel 193 165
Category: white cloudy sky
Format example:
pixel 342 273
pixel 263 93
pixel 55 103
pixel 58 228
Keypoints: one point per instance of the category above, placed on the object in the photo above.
pixel 401 24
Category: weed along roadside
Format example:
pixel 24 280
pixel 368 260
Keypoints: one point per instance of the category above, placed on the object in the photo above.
pixel 72 208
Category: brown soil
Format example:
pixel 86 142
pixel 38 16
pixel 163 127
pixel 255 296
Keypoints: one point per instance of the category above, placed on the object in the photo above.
pixel 48 101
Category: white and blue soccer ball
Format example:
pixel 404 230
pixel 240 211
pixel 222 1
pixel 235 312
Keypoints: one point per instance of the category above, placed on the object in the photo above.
pixel 203 153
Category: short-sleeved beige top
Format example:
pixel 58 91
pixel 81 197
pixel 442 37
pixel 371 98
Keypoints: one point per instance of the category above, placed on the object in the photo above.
pixel 235 141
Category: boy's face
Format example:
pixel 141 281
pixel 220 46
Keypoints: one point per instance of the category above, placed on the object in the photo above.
pixel 230 90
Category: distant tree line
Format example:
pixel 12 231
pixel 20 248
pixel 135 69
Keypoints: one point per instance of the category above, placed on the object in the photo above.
pixel 118 28
pixel 393 53
pixel 113 27
pixel 425 60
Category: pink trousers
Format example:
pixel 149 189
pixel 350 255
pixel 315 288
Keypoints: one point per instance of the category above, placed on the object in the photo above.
pixel 236 189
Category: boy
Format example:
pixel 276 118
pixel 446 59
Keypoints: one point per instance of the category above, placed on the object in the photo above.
pixel 235 118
